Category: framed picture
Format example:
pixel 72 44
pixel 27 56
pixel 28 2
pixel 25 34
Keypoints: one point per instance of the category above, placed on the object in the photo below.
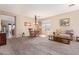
pixel 65 22
pixel 27 23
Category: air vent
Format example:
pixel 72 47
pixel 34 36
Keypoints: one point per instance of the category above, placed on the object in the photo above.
pixel 71 5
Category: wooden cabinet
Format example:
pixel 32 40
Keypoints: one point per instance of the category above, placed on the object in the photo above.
pixel 2 38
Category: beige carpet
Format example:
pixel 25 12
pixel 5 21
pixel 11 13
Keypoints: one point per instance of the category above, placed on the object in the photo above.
pixel 38 46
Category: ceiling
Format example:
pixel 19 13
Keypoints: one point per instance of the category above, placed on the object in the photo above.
pixel 40 10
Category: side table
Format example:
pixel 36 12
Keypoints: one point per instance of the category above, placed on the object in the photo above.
pixel 77 38
pixel 50 37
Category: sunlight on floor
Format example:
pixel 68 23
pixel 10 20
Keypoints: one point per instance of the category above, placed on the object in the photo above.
pixel 43 35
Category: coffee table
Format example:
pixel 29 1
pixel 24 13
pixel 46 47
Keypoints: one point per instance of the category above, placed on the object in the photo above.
pixel 62 39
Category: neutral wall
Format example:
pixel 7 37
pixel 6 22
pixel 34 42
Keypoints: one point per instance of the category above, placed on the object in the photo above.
pixel 20 28
pixel 55 24
pixel 74 21
pixel 0 24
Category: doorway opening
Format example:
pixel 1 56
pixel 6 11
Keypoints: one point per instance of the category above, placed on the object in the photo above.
pixel 8 25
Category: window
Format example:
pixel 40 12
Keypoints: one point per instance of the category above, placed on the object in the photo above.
pixel 46 25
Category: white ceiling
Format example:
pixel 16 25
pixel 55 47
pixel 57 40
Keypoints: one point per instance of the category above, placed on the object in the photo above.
pixel 41 10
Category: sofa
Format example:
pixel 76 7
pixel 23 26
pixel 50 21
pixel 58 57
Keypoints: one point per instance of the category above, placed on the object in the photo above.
pixel 63 36
pixel 65 33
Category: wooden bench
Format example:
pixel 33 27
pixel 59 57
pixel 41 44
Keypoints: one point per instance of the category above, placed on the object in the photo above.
pixel 62 39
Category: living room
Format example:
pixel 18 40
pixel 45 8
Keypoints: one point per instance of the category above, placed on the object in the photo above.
pixel 54 23
pixel 36 26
